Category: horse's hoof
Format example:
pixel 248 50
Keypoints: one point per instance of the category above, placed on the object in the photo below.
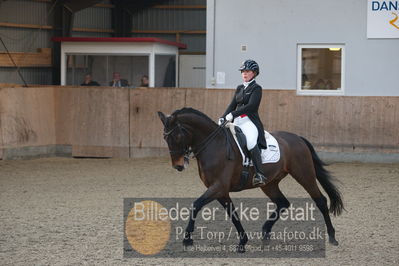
pixel 188 242
pixel 333 241
pixel 266 241
pixel 241 249
pixel 266 238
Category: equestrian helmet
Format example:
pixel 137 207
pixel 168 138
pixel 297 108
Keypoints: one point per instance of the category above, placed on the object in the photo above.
pixel 250 65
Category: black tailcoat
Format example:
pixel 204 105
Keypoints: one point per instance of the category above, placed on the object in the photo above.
pixel 247 102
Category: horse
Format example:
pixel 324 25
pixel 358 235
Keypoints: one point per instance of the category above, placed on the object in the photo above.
pixel 190 131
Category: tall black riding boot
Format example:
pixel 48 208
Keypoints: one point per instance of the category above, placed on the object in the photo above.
pixel 259 178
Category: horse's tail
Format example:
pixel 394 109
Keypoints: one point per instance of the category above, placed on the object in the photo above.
pixel 325 179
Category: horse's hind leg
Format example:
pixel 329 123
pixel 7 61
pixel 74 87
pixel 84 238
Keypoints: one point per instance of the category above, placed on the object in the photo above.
pixel 274 193
pixel 308 181
pixel 231 211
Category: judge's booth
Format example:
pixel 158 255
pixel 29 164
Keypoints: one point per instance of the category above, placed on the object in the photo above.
pixel 132 58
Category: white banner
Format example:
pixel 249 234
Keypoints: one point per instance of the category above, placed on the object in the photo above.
pixel 382 19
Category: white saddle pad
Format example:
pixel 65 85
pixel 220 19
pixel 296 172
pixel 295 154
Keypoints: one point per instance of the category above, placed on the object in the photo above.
pixel 270 155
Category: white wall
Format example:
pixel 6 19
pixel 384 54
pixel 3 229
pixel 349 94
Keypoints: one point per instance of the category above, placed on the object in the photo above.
pixel 272 29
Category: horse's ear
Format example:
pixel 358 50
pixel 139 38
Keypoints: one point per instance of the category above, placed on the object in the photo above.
pixel 162 117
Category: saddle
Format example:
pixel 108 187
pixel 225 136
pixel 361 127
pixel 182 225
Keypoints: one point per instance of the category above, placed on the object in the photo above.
pixel 269 155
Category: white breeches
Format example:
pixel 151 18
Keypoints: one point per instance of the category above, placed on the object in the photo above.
pixel 249 129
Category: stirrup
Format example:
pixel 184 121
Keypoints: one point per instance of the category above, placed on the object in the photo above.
pixel 258 179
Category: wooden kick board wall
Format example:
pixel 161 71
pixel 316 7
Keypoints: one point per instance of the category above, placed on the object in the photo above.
pixel 94 120
pixel 331 123
pixel 26 120
pixel 118 122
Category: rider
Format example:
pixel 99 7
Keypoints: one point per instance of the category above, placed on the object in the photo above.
pixel 244 110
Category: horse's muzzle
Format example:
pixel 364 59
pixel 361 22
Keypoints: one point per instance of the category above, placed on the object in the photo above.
pixel 181 163
pixel 179 167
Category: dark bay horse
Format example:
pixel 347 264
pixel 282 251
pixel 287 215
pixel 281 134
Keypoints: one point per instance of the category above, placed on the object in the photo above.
pixel 188 130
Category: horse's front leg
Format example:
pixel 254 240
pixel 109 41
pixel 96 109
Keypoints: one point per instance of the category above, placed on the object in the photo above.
pixel 231 211
pixel 212 193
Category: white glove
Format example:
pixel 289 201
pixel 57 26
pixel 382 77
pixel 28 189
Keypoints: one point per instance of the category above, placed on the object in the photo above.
pixel 229 117
pixel 221 121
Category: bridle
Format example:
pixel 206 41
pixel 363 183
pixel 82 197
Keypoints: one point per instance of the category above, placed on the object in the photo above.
pixel 187 150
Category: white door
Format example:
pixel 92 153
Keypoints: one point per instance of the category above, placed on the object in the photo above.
pixel 192 71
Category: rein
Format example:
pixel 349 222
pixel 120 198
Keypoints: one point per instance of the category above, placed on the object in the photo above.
pixel 208 139
pixel 187 150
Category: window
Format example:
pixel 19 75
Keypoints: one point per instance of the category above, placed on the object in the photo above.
pixel 321 69
pixel 102 68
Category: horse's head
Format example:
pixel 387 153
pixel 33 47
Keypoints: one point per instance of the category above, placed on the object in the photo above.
pixel 178 139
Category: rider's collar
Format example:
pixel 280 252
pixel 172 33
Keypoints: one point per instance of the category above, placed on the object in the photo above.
pixel 247 83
